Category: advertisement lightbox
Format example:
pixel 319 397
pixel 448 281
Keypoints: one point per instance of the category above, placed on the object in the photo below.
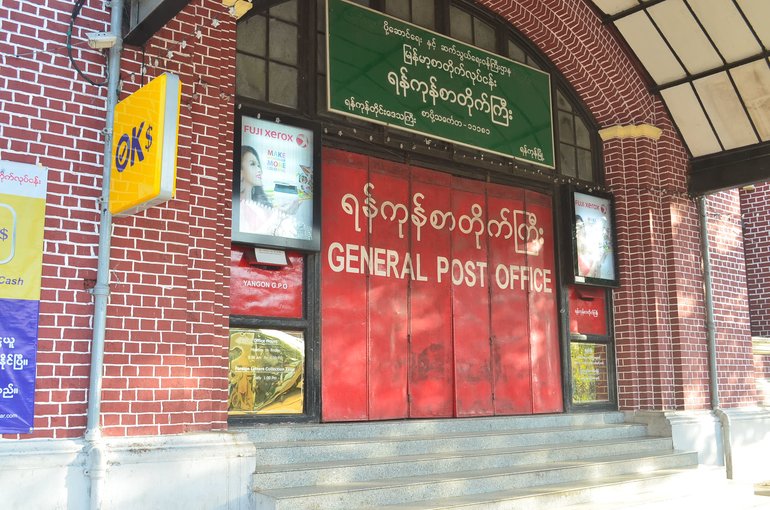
pixel 594 260
pixel 275 201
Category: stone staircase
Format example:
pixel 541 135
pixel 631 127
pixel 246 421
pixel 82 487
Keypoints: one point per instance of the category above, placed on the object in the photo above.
pixel 585 461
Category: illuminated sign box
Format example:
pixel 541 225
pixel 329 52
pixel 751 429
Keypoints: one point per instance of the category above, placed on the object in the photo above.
pixel 144 147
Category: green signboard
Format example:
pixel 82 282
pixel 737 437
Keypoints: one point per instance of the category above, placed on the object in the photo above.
pixel 390 72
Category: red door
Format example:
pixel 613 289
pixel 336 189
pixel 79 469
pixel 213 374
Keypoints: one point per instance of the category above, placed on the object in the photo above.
pixel 438 295
pixel 543 323
pixel 509 307
pixel 466 267
pixel 431 354
pixel 388 291
pixel 344 368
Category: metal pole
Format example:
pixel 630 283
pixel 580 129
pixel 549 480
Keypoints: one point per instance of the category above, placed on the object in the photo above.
pixel 708 303
pixel 101 291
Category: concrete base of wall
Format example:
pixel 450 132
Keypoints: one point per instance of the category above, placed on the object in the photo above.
pixel 212 471
pixel 215 470
pixel 747 431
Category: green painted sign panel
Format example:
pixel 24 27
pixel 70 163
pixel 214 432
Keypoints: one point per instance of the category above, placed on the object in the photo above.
pixel 391 72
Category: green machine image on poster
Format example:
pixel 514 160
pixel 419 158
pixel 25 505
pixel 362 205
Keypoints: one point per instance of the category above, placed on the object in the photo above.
pixel 390 72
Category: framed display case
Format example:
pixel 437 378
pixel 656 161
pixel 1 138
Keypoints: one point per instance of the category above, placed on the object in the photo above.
pixel 592 222
pixel 266 372
pixel 276 182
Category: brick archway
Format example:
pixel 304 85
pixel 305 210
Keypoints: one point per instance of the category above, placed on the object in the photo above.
pixel 658 325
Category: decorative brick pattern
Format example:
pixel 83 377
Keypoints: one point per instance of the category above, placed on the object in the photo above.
pixel 731 305
pixel 659 309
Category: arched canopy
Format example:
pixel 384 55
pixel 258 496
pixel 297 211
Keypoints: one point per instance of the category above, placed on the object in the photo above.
pixel 707 61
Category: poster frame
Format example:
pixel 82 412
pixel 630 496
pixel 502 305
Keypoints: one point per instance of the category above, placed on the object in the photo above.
pixel 576 275
pixel 272 241
pixel 301 383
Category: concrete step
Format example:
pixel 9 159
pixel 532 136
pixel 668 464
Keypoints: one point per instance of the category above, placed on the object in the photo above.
pixel 390 491
pixel 362 469
pixel 291 452
pixel 666 489
pixel 270 433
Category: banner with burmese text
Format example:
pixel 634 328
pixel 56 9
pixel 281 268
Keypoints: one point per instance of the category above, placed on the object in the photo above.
pixel 22 217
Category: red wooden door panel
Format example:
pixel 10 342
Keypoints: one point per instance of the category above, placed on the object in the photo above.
pixel 466 268
pixel 509 314
pixel 388 290
pixel 537 233
pixel 343 292
pixel 444 304
pixel 431 367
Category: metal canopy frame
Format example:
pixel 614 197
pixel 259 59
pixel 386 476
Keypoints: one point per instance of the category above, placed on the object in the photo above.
pixel 730 169
pixel 722 110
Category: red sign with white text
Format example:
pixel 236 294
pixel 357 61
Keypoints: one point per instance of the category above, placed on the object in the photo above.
pixel 437 295
pixel 587 310
pixel 265 291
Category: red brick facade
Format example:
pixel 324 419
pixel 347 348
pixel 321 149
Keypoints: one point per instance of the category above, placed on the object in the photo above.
pixel 659 312
pixel 165 359
pixel 165 350
pixel 755 205
pixel 166 342
pixel 728 270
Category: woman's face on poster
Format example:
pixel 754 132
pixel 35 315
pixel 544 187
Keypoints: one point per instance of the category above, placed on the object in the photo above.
pixel 251 169
pixel 580 233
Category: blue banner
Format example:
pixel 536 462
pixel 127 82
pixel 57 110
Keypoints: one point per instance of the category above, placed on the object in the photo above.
pixel 22 219
pixel 18 348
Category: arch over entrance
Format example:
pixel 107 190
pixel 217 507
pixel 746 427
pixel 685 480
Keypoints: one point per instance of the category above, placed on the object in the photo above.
pixel 661 278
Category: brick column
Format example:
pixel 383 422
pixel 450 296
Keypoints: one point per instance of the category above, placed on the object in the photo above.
pixel 659 327
pixel 166 356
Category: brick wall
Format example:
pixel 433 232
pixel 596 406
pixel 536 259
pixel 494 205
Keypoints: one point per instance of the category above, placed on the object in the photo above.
pixel 165 360
pixel 661 358
pixel 731 307
pixel 166 357
pixel 50 117
pixel 755 206
pixel 165 350
pixel 659 319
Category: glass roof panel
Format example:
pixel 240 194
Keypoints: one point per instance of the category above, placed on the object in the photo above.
pixel 685 36
pixel 721 102
pixel 691 120
pixel 652 51
pixel 758 13
pixel 727 29
pixel 615 6
pixel 715 112
pixel 753 82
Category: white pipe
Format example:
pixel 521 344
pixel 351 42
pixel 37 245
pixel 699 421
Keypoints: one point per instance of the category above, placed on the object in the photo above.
pixel 97 465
